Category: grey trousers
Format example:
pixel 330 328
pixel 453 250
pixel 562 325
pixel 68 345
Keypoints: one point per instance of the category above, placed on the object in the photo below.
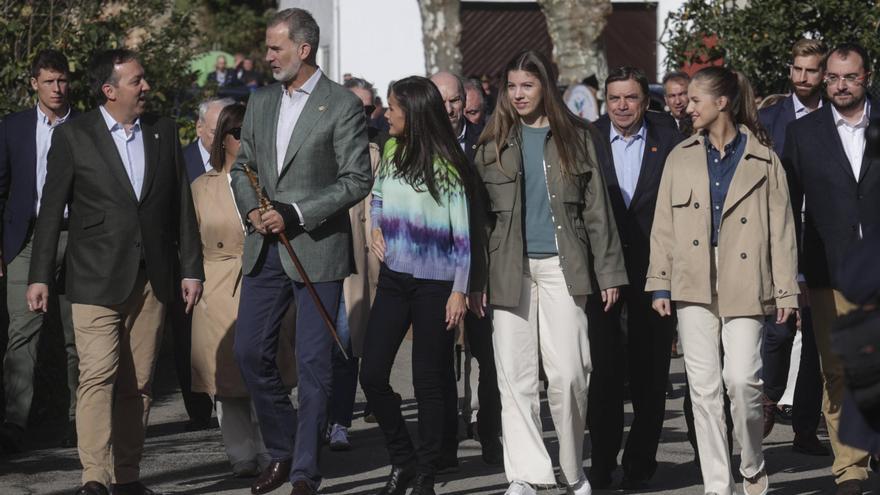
pixel 24 338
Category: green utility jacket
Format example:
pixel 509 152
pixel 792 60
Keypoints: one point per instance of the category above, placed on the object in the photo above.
pixel 586 235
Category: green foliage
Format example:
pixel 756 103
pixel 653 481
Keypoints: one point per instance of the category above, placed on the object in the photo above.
pixel 756 37
pixel 234 27
pixel 159 32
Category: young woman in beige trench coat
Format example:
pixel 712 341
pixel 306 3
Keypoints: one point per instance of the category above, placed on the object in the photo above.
pixel 723 247
pixel 214 370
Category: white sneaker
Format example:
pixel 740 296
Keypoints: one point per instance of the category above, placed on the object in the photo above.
pixel 758 485
pixel 582 487
pixel 520 488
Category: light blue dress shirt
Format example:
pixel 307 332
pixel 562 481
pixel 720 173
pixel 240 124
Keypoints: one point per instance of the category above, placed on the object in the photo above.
pixel 130 146
pixel 45 129
pixel 628 153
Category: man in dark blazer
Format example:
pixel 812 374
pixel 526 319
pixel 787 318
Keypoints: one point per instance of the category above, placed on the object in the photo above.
pixel 197 153
pixel 131 218
pixel 307 141
pixel 829 167
pixel 25 138
pixel 632 148
pixel 806 76
pixel 477 331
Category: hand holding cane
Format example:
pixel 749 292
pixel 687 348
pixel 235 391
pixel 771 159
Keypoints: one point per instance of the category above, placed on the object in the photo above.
pixel 265 206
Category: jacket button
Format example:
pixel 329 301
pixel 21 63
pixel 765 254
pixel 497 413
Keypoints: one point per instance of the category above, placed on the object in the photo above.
pixel 569 286
pixel 696 242
pixel 780 291
pixel 663 273
pixel 220 245
pixel 743 220
pixel 743 255
pixel 559 227
pixel 696 205
pixel 363 219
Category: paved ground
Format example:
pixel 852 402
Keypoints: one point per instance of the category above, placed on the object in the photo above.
pixel 195 463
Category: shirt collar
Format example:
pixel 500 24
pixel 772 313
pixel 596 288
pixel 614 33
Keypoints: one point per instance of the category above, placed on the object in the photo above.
pixel 203 152
pixel 112 125
pixel 463 130
pixel 44 119
pixel 799 107
pixel 729 147
pixel 308 87
pixel 643 131
pixel 863 122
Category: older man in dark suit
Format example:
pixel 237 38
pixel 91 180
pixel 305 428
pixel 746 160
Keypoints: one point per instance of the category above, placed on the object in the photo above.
pixel 131 218
pixel 25 138
pixel 828 166
pixel 307 140
pixel 806 80
pixel 632 147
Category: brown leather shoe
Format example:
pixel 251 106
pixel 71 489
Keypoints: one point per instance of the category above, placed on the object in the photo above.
pixel 133 488
pixel 300 487
pixel 275 475
pixel 769 416
pixel 849 487
pixel 92 488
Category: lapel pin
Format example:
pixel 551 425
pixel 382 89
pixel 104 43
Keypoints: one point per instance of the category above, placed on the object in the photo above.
pixel 653 149
pixel 156 136
pixel 322 108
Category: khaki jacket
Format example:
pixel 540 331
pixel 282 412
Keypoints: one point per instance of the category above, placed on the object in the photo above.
pixel 586 234
pixel 757 249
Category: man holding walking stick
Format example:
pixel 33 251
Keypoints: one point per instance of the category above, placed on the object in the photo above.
pixel 306 141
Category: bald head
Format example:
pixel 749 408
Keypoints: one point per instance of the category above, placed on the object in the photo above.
pixel 452 91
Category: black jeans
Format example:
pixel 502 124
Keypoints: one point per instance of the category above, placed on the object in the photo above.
pixel 402 300
pixel 642 355
pixel 777 359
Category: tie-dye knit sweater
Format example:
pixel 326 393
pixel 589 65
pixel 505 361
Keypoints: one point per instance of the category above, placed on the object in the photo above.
pixel 423 237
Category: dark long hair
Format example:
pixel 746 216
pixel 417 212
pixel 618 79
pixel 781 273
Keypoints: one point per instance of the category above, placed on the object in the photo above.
pixel 721 81
pixel 565 126
pixel 230 117
pixel 427 136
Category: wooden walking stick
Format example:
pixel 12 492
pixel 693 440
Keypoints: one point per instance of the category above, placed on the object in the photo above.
pixel 265 206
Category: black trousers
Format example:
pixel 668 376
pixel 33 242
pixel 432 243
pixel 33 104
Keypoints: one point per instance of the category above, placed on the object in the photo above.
pixel 776 354
pixel 642 356
pixel 198 405
pixel 402 300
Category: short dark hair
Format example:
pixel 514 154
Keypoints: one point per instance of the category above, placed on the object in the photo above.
pixel 301 27
pixel 844 49
pixel 102 69
pixel 627 73
pixel 678 76
pixel 49 60
pixel 357 82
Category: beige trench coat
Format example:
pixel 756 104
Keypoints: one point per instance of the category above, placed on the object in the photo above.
pixel 214 370
pixel 757 250
pixel 359 288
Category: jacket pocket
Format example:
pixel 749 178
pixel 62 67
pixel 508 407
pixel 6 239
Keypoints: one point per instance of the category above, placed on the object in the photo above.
pixel 682 197
pixel 92 224
pixel 501 190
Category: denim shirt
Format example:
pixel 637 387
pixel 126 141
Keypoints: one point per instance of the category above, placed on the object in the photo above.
pixel 721 172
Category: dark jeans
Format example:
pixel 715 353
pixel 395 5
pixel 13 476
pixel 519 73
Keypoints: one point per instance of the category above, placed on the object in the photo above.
pixel 478 332
pixel 402 300
pixel 641 356
pixel 266 294
pixel 345 373
pixel 776 354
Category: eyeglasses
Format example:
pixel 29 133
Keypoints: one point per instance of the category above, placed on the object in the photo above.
pixel 369 109
pixel 849 79
pixel 235 132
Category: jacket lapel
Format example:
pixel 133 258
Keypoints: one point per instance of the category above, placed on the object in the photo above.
pixel 29 145
pixel 150 136
pixel 106 149
pixel 869 158
pixel 828 133
pixel 651 164
pixel 750 172
pixel 312 112
pixel 271 113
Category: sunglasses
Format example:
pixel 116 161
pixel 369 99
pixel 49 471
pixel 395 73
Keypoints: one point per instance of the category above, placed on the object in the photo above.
pixel 369 109
pixel 235 132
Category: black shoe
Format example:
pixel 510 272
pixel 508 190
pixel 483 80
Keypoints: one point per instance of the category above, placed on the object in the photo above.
pixel 783 414
pixel 70 438
pixel 198 425
pixel 634 484
pixel 92 488
pixel 599 479
pixel 493 453
pixel 447 465
pixel 133 488
pixel 809 445
pixel 399 480
pixel 12 438
pixel 424 485
pixel 275 475
pixel 849 487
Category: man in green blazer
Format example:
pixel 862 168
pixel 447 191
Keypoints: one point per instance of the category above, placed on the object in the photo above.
pixel 307 140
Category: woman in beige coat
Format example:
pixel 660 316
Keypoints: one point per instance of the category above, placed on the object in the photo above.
pixel 723 247
pixel 214 370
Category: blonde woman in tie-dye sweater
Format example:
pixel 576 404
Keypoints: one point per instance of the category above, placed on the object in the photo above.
pixel 421 235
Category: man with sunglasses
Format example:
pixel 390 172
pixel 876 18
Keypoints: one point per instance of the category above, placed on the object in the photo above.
pixel 806 77
pixel 829 167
